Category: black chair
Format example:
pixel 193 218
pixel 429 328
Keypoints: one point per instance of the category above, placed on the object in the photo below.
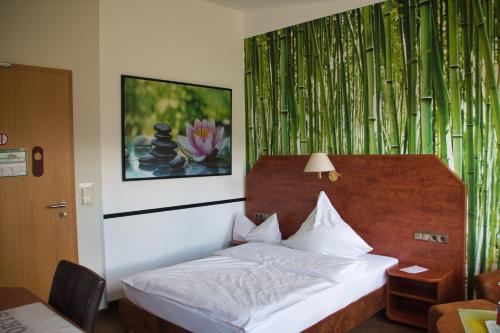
pixel 76 293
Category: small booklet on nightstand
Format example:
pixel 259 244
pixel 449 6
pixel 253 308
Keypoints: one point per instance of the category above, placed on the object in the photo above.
pixel 413 269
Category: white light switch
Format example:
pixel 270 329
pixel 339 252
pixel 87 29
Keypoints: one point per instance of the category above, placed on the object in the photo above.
pixel 87 193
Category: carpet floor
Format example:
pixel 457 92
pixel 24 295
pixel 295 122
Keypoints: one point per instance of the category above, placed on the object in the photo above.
pixel 107 322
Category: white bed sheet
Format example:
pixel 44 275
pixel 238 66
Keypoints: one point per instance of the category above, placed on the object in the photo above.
pixel 295 318
pixel 322 266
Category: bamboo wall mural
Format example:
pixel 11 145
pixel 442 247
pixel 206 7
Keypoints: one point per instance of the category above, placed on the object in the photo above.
pixel 396 77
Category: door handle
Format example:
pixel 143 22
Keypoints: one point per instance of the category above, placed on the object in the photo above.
pixel 61 204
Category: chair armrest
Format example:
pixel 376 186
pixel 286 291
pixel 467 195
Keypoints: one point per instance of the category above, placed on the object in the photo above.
pixel 487 287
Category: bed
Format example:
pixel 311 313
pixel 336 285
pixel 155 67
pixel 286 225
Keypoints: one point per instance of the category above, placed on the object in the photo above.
pixel 385 203
pixel 256 288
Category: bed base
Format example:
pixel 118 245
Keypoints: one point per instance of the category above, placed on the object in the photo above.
pixel 138 320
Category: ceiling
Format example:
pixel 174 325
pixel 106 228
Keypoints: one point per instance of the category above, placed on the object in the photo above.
pixel 244 5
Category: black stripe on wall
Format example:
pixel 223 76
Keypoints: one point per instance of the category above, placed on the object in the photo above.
pixel 166 209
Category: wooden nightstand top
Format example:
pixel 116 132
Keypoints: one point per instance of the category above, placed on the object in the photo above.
pixel 434 274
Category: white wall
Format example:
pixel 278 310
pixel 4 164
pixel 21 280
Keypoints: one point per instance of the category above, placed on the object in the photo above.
pixel 259 21
pixel 142 242
pixel 64 34
pixel 182 40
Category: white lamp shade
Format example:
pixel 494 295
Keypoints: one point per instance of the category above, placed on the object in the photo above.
pixel 319 162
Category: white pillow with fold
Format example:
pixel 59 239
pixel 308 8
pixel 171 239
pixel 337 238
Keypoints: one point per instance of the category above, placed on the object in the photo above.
pixel 266 232
pixel 242 226
pixel 325 232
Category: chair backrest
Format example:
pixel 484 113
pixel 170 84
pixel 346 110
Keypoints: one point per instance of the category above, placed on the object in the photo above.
pixel 487 286
pixel 76 293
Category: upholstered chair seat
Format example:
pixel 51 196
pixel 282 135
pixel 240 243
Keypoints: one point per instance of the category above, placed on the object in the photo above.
pixel 487 291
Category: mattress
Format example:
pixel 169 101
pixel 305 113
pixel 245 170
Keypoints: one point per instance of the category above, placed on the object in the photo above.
pixel 296 301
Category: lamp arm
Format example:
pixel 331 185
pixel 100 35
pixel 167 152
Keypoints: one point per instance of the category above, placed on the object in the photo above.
pixel 333 175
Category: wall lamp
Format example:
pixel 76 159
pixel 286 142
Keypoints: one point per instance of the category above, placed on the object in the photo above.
pixel 319 162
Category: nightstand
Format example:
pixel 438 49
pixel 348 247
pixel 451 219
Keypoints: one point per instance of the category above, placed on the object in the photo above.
pixel 409 296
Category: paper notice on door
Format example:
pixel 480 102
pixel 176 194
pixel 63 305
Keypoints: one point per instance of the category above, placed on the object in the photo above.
pixel 34 318
pixel 13 162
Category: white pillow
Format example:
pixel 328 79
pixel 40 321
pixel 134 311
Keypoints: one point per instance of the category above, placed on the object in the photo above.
pixel 266 232
pixel 242 226
pixel 325 232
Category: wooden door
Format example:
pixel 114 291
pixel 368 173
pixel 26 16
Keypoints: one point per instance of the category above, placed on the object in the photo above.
pixel 36 111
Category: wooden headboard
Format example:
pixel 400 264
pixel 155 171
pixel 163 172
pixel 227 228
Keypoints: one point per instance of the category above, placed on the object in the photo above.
pixel 384 198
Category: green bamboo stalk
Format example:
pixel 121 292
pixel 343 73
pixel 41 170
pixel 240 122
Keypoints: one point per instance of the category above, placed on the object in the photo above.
pixel 249 106
pixel 454 73
pixel 370 70
pixel 469 148
pixel 478 128
pixel 310 92
pixel 426 76
pixel 255 100
pixel 401 90
pixel 311 98
pixel 284 130
pixel 349 88
pixel 377 50
pixel 301 90
pixel 488 203
pixel 497 29
pixel 292 102
pixel 356 90
pixel 343 89
pixel 332 75
pixel 365 86
pixel 390 100
pixel 485 190
pixel 404 13
pixel 331 72
pixel 320 80
pixel 441 92
pixel 488 62
pixel 275 119
pixel 354 44
pixel 315 130
pixel 323 42
pixel 412 63
pixel 263 116
pixel 325 37
pixel 494 212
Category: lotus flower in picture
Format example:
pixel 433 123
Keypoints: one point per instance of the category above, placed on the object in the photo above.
pixel 203 140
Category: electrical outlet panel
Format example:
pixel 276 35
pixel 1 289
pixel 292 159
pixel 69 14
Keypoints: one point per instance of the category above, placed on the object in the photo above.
pixel 261 216
pixel 430 237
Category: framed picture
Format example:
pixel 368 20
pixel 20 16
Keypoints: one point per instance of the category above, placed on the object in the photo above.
pixel 173 129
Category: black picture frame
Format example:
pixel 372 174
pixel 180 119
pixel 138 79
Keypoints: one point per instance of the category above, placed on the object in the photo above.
pixel 214 164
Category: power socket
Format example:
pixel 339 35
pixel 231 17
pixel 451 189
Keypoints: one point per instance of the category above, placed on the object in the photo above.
pixel 430 237
pixel 261 216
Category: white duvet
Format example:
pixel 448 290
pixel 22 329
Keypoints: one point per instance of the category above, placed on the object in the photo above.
pixel 327 267
pixel 245 285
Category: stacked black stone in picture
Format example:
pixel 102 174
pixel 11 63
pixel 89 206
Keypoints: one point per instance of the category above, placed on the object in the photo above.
pixel 163 157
